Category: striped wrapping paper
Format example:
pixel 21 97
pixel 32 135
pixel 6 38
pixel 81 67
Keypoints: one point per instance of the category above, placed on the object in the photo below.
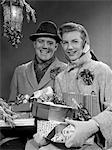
pixel 90 102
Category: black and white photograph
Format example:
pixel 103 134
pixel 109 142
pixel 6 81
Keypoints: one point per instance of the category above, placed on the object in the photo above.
pixel 56 75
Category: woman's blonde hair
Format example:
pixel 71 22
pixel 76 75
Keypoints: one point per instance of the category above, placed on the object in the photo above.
pixel 71 26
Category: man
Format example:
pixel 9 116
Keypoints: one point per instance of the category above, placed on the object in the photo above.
pixel 36 74
pixel 85 76
pixel 40 72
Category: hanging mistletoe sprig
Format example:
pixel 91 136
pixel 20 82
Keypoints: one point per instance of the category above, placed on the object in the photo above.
pixel 87 76
pixel 13 35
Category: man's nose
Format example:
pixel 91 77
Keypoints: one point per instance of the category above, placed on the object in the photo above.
pixel 45 45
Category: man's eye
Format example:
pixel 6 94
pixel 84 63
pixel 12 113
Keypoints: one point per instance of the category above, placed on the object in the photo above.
pixel 40 41
pixel 50 43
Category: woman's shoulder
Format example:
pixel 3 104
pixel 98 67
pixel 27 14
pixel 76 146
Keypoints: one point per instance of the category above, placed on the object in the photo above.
pixel 102 68
pixel 101 65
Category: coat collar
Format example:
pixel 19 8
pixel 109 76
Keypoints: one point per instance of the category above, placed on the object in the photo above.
pixel 31 77
pixel 80 62
pixel 30 74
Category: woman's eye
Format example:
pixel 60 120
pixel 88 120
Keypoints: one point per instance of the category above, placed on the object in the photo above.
pixel 74 41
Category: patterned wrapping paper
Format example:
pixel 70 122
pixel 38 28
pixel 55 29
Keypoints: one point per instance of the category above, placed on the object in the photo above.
pixel 44 128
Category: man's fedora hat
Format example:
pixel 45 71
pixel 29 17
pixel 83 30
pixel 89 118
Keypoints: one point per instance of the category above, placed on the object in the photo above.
pixel 46 29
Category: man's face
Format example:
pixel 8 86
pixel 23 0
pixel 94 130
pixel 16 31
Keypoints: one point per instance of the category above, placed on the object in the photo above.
pixel 72 44
pixel 45 48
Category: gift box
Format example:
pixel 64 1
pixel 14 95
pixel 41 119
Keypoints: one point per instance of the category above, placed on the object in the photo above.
pixel 90 102
pixel 16 120
pixel 44 128
pixel 48 111
pixel 23 107
pixel 19 122
pixel 23 128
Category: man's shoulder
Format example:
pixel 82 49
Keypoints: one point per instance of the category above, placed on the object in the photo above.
pixel 60 63
pixel 24 66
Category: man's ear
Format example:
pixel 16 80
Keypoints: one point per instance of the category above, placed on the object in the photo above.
pixel 56 46
pixel 34 43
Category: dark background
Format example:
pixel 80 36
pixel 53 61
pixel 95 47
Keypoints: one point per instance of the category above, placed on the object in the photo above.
pixel 95 15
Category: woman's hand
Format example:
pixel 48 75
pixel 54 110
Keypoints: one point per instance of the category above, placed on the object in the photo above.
pixel 84 129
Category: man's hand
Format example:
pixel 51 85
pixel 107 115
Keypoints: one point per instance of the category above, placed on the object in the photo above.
pixel 84 129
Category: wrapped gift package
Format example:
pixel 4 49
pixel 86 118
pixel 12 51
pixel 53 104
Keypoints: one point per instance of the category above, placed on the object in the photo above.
pixel 19 122
pixel 50 115
pixel 23 128
pixel 55 131
pixel 90 102
pixel 23 110
pixel 23 107
pixel 16 120
pixel 48 111
pixel 44 128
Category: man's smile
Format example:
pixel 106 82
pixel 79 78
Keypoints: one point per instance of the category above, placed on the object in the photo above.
pixel 45 51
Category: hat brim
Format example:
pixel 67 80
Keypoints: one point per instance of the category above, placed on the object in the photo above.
pixel 33 37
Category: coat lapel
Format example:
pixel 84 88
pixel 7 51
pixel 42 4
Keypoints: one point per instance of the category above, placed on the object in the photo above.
pixel 31 77
pixel 46 78
pixel 30 74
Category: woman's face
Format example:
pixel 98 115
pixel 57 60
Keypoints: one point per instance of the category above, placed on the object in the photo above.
pixel 72 44
pixel 45 48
